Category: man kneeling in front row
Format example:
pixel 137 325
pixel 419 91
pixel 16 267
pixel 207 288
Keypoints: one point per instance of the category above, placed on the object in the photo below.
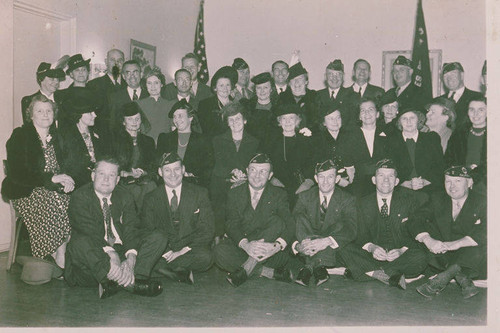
pixel 105 247
pixel 259 226
pixel 180 214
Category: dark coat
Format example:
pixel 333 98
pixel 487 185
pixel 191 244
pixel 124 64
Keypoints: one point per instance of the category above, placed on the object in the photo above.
pixel 462 106
pixel 169 91
pixel 210 117
pixel 340 217
pixel 87 220
pixel 308 104
pixel 429 161
pixel 198 158
pixel 394 231
pixel 116 100
pixel 26 162
pixel 411 97
pixel 77 163
pixel 103 87
pixel 260 123
pixel 123 149
pixel 272 213
pixel 326 147
pixel 348 104
pixel 371 91
pixel 196 226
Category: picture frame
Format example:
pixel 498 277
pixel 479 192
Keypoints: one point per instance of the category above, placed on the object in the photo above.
pixel 435 59
pixel 144 53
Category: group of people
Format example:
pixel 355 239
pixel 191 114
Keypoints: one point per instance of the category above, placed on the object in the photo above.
pixel 125 179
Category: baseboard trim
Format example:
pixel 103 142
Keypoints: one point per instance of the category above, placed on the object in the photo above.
pixel 4 247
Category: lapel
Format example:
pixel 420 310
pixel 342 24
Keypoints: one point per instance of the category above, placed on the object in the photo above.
pixel 363 143
pixel 96 207
pixel 378 143
pixel 186 204
pixel 372 211
pixel 333 207
pixel 262 198
pixel 444 216
pixel 163 204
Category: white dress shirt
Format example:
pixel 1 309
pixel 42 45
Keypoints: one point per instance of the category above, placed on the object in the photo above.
pixel 360 89
pixel 179 97
pixel 178 191
pixel 130 92
pixel 414 137
pixel 335 92
pixel 458 94
pixel 118 81
pixel 381 203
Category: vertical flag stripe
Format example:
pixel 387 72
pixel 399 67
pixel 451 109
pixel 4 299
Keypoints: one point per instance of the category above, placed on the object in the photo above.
pixel 420 57
pixel 199 46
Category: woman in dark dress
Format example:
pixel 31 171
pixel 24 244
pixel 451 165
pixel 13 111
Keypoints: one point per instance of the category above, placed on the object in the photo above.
pixel 388 105
pixel 194 148
pixel 210 109
pixel 135 152
pixel 81 145
pixel 232 150
pixel 35 182
pixel 467 145
pixel 291 152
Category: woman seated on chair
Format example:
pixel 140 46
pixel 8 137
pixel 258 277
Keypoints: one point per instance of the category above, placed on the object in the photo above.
pixel 36 184
pixel 135 152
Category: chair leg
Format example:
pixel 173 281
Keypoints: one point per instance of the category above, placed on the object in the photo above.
pixel 18 232
pixel 16 222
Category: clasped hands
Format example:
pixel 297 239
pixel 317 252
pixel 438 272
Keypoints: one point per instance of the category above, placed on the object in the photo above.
pixel 171 255
pixel 122 272
pixel 310 247
pixel 259 249
pixel 416 183
pixel 437 246
pixel 381 254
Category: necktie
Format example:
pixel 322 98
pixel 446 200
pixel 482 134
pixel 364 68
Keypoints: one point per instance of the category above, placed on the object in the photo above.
pixel 452 96
pixel 323 208
pixel 398 91
pixel 106 211
pixel 281 90
pixel 360 92
pixel 135 97
pixel 333 95
pixel 384 210
pixel 255 199
pixel 174 202
pixel 456 210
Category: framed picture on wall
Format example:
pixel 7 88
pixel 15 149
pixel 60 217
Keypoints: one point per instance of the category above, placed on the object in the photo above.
pixel 144 53
pixel 388 58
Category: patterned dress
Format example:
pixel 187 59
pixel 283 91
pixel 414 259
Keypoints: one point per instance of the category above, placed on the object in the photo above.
pixel 45 212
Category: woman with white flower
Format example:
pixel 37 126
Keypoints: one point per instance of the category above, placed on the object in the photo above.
pixel 232 150
pixel 291 152
pixel 36 184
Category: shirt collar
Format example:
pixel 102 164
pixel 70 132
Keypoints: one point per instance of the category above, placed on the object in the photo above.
pixel 404 87
pixel 178 190
pixel 252 191
pixel 458 93
pixel 118 80
pixel 335 90
pixel 137 91
pixel 380 202
pixel 51 97
pixel 414 137
pixel 179 97
pixel 459 201
pixel 100 197
pixel 357 86
pixel 278 87
pixel 328 197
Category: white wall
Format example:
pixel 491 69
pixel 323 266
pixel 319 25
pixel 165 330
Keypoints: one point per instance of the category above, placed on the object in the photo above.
pixel 263 31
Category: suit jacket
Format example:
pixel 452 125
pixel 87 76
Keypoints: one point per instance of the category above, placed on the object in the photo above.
pixel 429 161
pixel 308 104
pixel 411 97
pixel 116 100
pixel 198 158
pixel 456 153
pixel 87 219
pixel 210 117
pixel 103 87
pixel 26 162
pixel 371 91
pixel 196 219
pixel 77 163
pixel 347 100
pixel 272 212
pixel 226 156
pixel 203 91
pixel 340 217
pixel 462 106
pixel 396 230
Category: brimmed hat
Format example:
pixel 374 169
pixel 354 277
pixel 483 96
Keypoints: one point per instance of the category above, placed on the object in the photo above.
pixel 130 109
pixel 224 72
pixel 451 66
pixel 260 158
pixel 239 63
pixel 385 163
pixel 283 109
pixel 458 171
pixel 402 60
pixel 388 97
pixel 261 78
pixel 325 166
pixel 44 71
pixel 296 70
pixel 329 107
pixel 75 62
pixel 181 105
pixel 82 100
pixel 336 65
pixel 169 158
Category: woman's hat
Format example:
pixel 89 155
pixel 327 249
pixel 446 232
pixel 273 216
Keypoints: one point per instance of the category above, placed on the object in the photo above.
pixel 75 62
pixel 224 72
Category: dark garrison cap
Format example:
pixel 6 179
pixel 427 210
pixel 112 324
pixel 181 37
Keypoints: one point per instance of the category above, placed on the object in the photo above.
pixel 402 60
pixel 451 66
pixel 325 166
pixel 336 65
pixel 385 163
pixel 458 171
pixel 169 158
pixel 239 63
pixel 260 158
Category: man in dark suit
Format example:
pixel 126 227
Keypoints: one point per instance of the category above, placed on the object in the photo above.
pixel 131 73
pixel 259 228
pixel 242 89
pixel 48 79
pixel 456 235
pixel 325 219
pixel 409 95
pixel 334 79
pixel 300 95
pixel 385 249
pixel 107 84
pixel 181 213
pixel 279 72
pixel 361 76
pixel 199 90
pixel 105 247
pixel 453 79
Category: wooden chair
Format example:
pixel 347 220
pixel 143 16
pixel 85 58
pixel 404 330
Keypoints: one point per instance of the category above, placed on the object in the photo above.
pixel 15 230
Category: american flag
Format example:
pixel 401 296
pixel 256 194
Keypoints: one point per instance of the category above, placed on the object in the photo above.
pixel 199 46
pixel 420 57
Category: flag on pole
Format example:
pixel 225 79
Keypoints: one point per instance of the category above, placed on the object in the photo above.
pixel 199 46
pixel 420 57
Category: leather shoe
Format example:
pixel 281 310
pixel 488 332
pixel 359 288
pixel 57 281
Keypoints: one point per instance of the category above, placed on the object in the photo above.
pixel 238 277
pixel 283 275
pixel 147 288
pixel 304 277
pixel 107 289
pixel 430 289
pixel 321 275
pixel 179 276
pixel 398 280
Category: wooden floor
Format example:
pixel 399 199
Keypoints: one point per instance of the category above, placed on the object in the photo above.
pixel 212 302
